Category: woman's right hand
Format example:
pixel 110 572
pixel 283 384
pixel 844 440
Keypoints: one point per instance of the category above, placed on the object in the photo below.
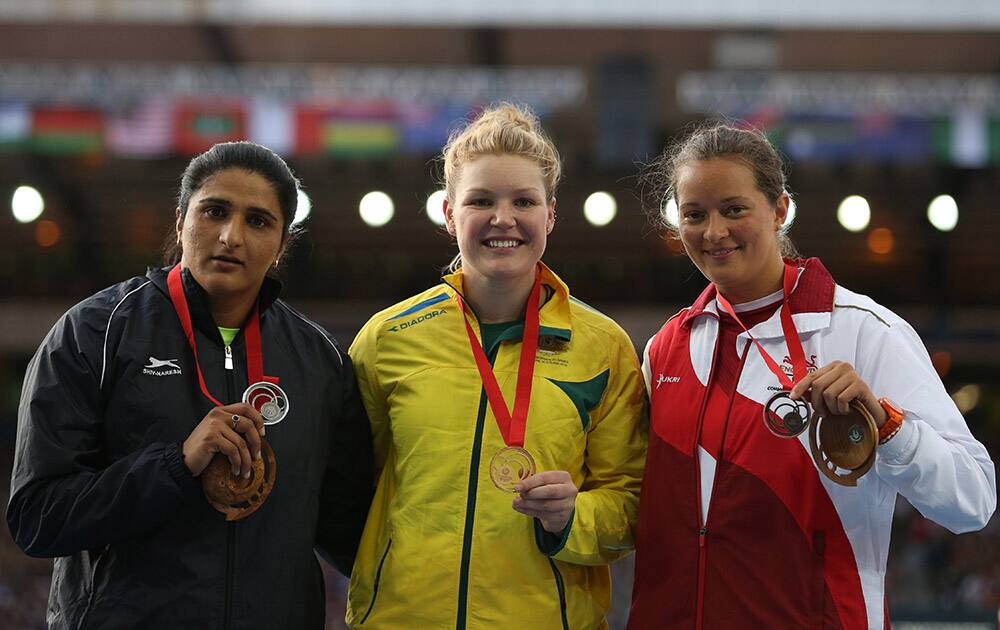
pixel 218 433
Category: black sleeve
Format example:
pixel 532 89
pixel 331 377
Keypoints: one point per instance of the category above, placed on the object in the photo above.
pixel 66 496
pixel 349 483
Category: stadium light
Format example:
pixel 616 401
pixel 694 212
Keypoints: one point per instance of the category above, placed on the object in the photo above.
pixel 435 207
pixel 303 207
pixel 600 208
pixel 854 213
pixel 376 208
pixel 942 212
pixel 670 213
pixel 27 204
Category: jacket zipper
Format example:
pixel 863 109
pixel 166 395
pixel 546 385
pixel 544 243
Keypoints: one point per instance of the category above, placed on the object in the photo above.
pixel 702 529
pixel 227 619
pixel 561 587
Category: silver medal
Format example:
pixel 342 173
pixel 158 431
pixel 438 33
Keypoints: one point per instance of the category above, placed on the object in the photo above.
pixel 269 400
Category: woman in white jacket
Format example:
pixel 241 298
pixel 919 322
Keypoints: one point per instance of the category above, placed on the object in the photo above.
pixel 737 526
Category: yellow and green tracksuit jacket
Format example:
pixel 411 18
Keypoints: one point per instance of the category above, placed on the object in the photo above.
pixel 442 547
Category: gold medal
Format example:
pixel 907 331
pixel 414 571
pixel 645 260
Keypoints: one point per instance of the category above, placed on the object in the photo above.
pixel 510 466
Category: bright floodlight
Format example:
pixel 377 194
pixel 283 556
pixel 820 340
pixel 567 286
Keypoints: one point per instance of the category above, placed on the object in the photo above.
pixel 600 208
pixel 27 204
pixel 670 212
pixel 790 218
pixel 435 207
pixel 943 213
pixel 376 208
pixel 854 213
pixel 303 207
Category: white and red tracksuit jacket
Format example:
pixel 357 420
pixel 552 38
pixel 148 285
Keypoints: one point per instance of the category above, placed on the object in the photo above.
pixel 759 538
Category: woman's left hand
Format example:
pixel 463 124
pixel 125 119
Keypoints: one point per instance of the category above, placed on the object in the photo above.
pixel 831 389
pixel 549 496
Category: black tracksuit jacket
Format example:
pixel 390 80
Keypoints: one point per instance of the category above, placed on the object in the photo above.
pixel 99 481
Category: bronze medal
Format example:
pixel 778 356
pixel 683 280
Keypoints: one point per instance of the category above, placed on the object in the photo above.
pixel 844 445
pixel 510 466
pixel 235 496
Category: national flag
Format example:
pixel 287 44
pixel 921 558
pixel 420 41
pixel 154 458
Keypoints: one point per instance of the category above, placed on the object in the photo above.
pixel 968 139
pixel 199 126
pixel 351 130
pixel 15 126
pixel 67 130
pixel 425 128
pixel 272 124
pixel 142 130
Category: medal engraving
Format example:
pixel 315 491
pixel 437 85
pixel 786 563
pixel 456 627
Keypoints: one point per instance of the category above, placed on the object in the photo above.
pixel 855 435
pixel 785 417
pixel 269 400
pixel 510 466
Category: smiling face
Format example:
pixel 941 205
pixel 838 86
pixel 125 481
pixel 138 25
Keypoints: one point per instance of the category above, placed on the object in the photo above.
pixel 231 233
pixel 501 218
pixel 729 228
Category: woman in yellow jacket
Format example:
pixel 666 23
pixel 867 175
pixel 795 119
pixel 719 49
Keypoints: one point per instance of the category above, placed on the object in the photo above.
pixel 508 417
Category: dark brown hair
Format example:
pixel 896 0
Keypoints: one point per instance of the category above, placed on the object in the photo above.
pixel 719 140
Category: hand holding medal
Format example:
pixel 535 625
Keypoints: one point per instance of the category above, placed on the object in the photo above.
pixel 239 446
pixel 549 496
pixel 843 433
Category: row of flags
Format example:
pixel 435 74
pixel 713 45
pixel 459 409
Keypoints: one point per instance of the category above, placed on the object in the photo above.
pixel 161 127
pixel 361 130
pixel 966 139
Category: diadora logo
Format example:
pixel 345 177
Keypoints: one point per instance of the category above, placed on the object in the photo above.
pixel 786 364
pixel 417 320
pixel 161 367
pixel 663 378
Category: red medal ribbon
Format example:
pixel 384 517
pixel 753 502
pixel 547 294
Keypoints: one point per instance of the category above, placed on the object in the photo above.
pixel 511 427
pixel 795 352
pixel 255 355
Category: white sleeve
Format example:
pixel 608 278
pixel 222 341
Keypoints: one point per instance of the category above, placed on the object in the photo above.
pixel 647 375
pixel 933 460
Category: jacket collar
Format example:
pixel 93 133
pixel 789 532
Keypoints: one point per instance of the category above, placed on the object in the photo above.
pixel 553 313
pixel 201 314
pixel 811 301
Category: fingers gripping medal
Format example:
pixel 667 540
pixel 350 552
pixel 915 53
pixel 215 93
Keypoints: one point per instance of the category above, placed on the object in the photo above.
pixel 785 417
pixel 235 496
pixel 512 464
pixel 837 442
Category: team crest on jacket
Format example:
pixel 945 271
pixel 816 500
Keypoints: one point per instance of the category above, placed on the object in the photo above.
pixel 161 367
pixel 786 364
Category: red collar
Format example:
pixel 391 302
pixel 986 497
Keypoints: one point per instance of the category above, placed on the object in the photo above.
pixel 812 294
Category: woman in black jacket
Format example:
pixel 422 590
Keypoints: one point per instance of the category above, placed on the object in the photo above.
pixel 136 389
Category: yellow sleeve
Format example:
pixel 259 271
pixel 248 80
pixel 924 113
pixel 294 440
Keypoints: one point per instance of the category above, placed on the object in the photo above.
pixel 607 507
pixel 364 354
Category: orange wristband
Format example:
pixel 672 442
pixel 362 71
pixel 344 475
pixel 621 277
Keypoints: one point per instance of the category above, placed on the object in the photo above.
pixel 892 424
